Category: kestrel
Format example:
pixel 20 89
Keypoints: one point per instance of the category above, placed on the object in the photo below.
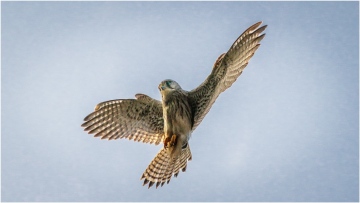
pixel 172 120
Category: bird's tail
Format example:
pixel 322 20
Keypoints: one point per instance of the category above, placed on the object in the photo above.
pixel 162 167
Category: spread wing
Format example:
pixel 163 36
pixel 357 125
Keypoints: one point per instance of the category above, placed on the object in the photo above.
pixel 139 119
pixel 227 68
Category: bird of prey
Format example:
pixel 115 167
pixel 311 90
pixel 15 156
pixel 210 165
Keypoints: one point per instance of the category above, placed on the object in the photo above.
pixel 172 120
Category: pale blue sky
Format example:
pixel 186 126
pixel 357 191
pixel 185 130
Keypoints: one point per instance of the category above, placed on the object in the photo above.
pixel 287 130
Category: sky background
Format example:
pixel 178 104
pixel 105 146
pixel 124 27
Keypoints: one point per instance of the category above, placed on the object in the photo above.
pixel 287 130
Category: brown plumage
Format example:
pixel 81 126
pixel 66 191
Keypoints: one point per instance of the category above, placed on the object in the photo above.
pixel 174 119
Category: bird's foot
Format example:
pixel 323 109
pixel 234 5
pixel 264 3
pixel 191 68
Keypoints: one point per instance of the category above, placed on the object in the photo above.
pixel 170 141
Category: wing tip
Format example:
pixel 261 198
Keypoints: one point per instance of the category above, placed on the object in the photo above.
pixel 261 29
pixel 139 95
pixel 258 23
pixel 97 107
pixel 253 27
pixel 256 28
pixel 261 37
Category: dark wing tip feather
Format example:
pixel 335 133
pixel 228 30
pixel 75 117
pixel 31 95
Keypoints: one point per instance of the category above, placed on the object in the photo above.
pixel 89 117
pixel 261 29
pixel 150 184
pixel 176 174
pixel 96 135
pixel 157 184
pixel 261 37
pixel 87 128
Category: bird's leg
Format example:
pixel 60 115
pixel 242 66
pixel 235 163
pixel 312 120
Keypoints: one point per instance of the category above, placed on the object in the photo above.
pixel 170 141
pixel 173 140
pixel 166 141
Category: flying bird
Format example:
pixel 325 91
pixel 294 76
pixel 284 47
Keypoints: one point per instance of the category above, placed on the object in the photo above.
pixel 172 120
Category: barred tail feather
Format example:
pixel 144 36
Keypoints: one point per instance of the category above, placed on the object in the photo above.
pixel 162 168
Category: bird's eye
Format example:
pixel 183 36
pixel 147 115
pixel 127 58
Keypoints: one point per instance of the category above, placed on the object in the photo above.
pixel 168 83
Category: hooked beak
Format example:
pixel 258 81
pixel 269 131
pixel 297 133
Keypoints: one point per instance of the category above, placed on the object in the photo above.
pixel 161 87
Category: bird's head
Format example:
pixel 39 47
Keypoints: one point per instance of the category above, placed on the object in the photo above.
pixel 168 85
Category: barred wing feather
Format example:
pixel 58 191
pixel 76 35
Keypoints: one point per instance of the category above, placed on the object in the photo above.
pixel 139 119
pixel 227 68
